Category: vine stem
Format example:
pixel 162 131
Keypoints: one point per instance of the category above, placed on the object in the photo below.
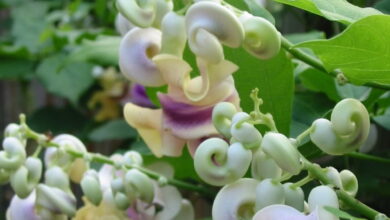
pixel 368 157
pixel 299 54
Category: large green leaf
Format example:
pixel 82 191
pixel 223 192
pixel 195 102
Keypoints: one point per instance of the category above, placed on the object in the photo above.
pixel 256 9
pixel 68 81
pixel 384 120
pixel 334 10
pixel 361 52
pixel 273 77
pixel 104 50
pixel 15 68
pixel 113 130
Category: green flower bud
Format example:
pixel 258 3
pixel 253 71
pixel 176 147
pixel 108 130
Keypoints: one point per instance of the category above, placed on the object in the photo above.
pixel 334 177
pixel 14 130
pixel 90 184
pixel 268 193
pixel 347 130
pixel 132 158
pixel 223 113
pixel 218 164
pixel 55 200
pixel 244 132
pixel 349 182
pixel 121 199
pixel 294 197
pixel 174 35
pixel 139 185
pixel 322 196
pixel 27 177
pixel 264 167
pixel 279 148
pixel 13 155
pixel 56 177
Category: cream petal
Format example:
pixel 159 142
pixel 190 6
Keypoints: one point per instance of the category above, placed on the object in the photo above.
pixel 135 53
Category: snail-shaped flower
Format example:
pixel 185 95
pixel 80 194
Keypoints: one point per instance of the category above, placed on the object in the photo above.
pixel 219 164
pixel 346 131
pixel 208 25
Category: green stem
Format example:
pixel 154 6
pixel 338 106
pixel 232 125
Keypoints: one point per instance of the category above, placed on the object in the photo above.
pixel 257 116
pixel 368 157
pixel 301 182
pixel 299 54
pixel 302 136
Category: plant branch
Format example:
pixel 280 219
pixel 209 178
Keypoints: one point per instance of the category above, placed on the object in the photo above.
pixel 368 157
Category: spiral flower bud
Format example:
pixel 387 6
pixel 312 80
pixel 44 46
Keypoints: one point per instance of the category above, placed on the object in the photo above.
pixel 138 185
pixel 141 15
pixel 347 130
pixel 121 199
pixel 222 115
pixel 322 196
pixel 268 193
pixel 218 164
pixel 13 155
pixel 294 197
pixel 90 185
pixel 349 182
pixel 244 132
pixel 173 34
pixel 135 53
pixel 264 167
pixel 235 201
pixel 279 148
pixel 262 40
pixel 208 25
pixel 27 177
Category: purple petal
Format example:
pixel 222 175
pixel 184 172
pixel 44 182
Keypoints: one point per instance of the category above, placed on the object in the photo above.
pixel 23 208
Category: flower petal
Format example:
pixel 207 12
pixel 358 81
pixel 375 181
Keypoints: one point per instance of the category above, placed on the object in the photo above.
pixel 22 208
pixel 282 212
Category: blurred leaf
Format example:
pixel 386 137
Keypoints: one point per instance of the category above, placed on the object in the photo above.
pixel 273 77
pixel 306 5
pixel 301 37
pixel 69 81
pixel 141 147
pixel 384 120
pixel 57 120
pixel 12 51
pixel 352 91
pixel 319 82
pixel 361 51
pixel 29 23
pixel 383 6
pixel 113 130
pixel 341 214
pixel 258 10
pixel 104 50
pixel 15 68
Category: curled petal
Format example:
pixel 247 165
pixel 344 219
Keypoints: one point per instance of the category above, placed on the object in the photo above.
pixel 279 148
pixel 91 187
pixel 349 182
pixel 261 37
pixel 268 193
pixel 55 200
pixel 186 211
pixel 141 15
pixel 122 25
pixel 235 201
pixel 347 130
pixel 294 197
pixel 173 34
pixel 135 53
pixel 169 198
pixel 24 180
pixel 22 208
pixel 222 116
pixel 322 196
pixel 218 164
pixel 13 155
pixel 208 25
pixel 244 132
pixel 264 167
pixel 283 212
pixel 139 185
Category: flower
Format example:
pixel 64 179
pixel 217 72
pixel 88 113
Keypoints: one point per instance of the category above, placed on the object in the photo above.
pixel 283 212
pixel 105 210
pixel 22 208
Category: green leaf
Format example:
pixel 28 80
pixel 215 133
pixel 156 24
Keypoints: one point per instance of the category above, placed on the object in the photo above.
pixel 319 82
pixel 113 130
pixel 256 9
pixel 104 50
pixel 301 37
pixel 341 214
pixel 384 120
pixel 273 77
pixel 306 5
pixel 352 91
pixel 343 11
pixel 383 6
pixel 361 52
pixel 70 82
pixel 15 68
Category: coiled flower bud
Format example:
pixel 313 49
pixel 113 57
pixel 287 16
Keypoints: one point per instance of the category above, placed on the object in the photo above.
pixel 345 132
pixel 244 132
pixel 208 25
pixel 349 182
pixel 222 116
pixel 27 177
pixel 279 148
pixel 262 40
pixel 235 201
pixel 13 155
pixel 218 164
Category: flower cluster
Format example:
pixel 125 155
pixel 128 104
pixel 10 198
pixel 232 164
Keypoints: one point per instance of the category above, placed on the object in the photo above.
pixel 151 54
